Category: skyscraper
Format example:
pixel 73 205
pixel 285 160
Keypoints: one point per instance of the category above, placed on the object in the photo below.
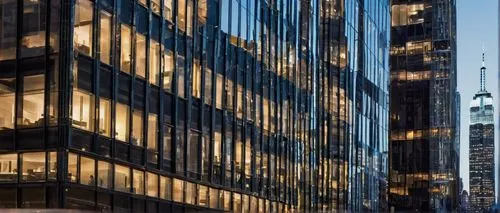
pixel 482 149
pixel 187 105
pixel 423 171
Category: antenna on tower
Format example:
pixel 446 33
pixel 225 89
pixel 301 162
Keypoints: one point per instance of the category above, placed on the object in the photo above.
pixel 483 70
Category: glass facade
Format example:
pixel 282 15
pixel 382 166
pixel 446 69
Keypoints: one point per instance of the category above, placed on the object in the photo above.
pixel 423 151
pixel 183 105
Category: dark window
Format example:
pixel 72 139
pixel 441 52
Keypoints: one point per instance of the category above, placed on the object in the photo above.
pixel 8 197
pixel 33 198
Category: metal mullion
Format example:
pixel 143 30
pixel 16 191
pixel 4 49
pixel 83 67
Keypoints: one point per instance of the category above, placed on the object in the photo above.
pixel 161 95
pixel 147 91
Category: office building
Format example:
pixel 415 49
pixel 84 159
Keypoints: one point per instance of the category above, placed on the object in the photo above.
pixel 184 105
pixel 482 149
pixel 423 172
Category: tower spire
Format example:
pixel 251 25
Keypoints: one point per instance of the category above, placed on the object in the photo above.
pixel 483 70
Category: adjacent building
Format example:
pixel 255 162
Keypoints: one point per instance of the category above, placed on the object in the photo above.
pixel 184 105
pixel 423 149
pixel 482 149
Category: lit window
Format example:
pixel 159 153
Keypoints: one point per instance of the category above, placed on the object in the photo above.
pixel 181 17
pixel 180 76
pixel 34 28
pixel 138 187
pixel 189 18
pixel 105 39
pixel 83 26
pixel 33 101
pixel 214 198
pixel 196 79
pixel 168 70
pixel 217 148
pixel 8 167
pixel 72 167
pixel 219 86
pixel 152 132
pixel 165 188
pixel 239 102
pixel 104 174
pixel 190 197
pixel 168 9
pixel 155 6
pixel 87 171
pixel 238 150
pixel 122 178
pixel 122 122
pixel 167 144
pixel 227 200
pixel 178 190
pixel 236 202
pixel 52 171
pixel 137 128
pixel 8 21
pixel 202 195
pixel 105 117
pixel 7 98
pixel 152 184
pixel 140 55
pixel 154 62
pixel 125 48
pixel 83 110
pixel 33 165
pixel 208 86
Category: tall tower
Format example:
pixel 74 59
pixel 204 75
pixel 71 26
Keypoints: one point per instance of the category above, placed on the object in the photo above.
pixel 482 149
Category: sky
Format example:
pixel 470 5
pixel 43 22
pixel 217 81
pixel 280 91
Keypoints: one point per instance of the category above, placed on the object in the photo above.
pixel 477 24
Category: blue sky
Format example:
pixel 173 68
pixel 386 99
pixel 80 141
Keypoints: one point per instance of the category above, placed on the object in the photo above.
pixel 477 23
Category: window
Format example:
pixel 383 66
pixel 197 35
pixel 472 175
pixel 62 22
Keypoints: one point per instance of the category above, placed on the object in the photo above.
pixel 138 182
pixel 87 171
pixel 33 101
pixel 33 29
pixel 194 140
pixel 227 200
pixel 152 132
pixel 239 102
pixel 178 190
pixel 208 86
pixel 122 122
pixel 140 55
pixel 218 86
pixel 122 178
pixel 83 110
pixel 168 70
pixel 137 128
pixel 214 198
pixel 72 167
pixel 104 174
pixel 33 165
pixel 152 184
pixel 236 202
pixel 8 24
pixel 165 188
pixel 52 171
pixel 154 63
pixel 181 17
pixel 196 79
pixel 155 6
pixel 168 9
pixel 229 95
pixel 217 149
pixel 105 39
pixel 83 26
pixel 105 117
pixel 189 18
pixel 180 76
pixel 202 195
pixel 7 98
pixel 190 196
pixel 8 168
pixel 179 151
pixel 399 15
pixel 143 3
pixel 202 11
pixel 125 48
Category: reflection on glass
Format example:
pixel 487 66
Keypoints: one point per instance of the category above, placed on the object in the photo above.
pixel 202 195
pixel 137 128
pixel 125 48
pixel 189 18
pixel 33 165
pixel 8 168
pixel 7 98
pixel 219 86
pixel 196 79
pixel 181 17
pixel 155 6
pixel 168 70
pixel 140 55
pixel 152 132
pixel 83 110
pixel 52 171
pixel 104 174
pixel 180 76
pixel 165 188
pixel 208 86
pixel 214 198
pixel 105 117
pixel 152 180
pixel 72 167
pixel 154 62
pixel 122 122
pixel 168 9
pixel 8 23
pixel 87 171
pixel 178 190
pixel 217 149
pixel 34 26
pixel 122 178
pixel 138 187
pixel 190 193
pixel 33 101
pixel 194 140
pixel 83 27
pixel 105 39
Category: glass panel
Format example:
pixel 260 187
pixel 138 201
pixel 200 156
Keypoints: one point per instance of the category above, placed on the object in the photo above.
pixel 219 86
pixel 217 149
pixel 202 195
pixel 190 197
pixel 180 76
pixel 105 39
pixel 154 62
pixel 104 174
pixel 168 70
pixel 138 182
pixel 214 198
pixel 137 128
pixel 52 172
pixel 33 165
pixel 168 9
pixel 178 190
pixel 208 86
pixel 83 110
pixel 8 168
pixel 167 144
pixel 165 188
pixel 227 201
pixel 122 178
pixel 202 11
pixel 155 6
pixel 140 55
pixel 72 167
pixel 7 98
pixel 33 31
pixel 8 24
pixel 143 2
pixel 87 171
pixel 181 17
pixel 122 122
pixel 83 26
pixel 194 140
pixel 152 184
pixel 105 117
pixel 189 17
pixel 33 101
pixel 152 132
pixel 125 48
pixel 236 202
pixel 196 79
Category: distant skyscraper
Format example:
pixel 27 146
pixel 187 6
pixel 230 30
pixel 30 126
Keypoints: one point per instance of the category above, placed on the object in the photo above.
pixel 482 149
pixel 423 149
